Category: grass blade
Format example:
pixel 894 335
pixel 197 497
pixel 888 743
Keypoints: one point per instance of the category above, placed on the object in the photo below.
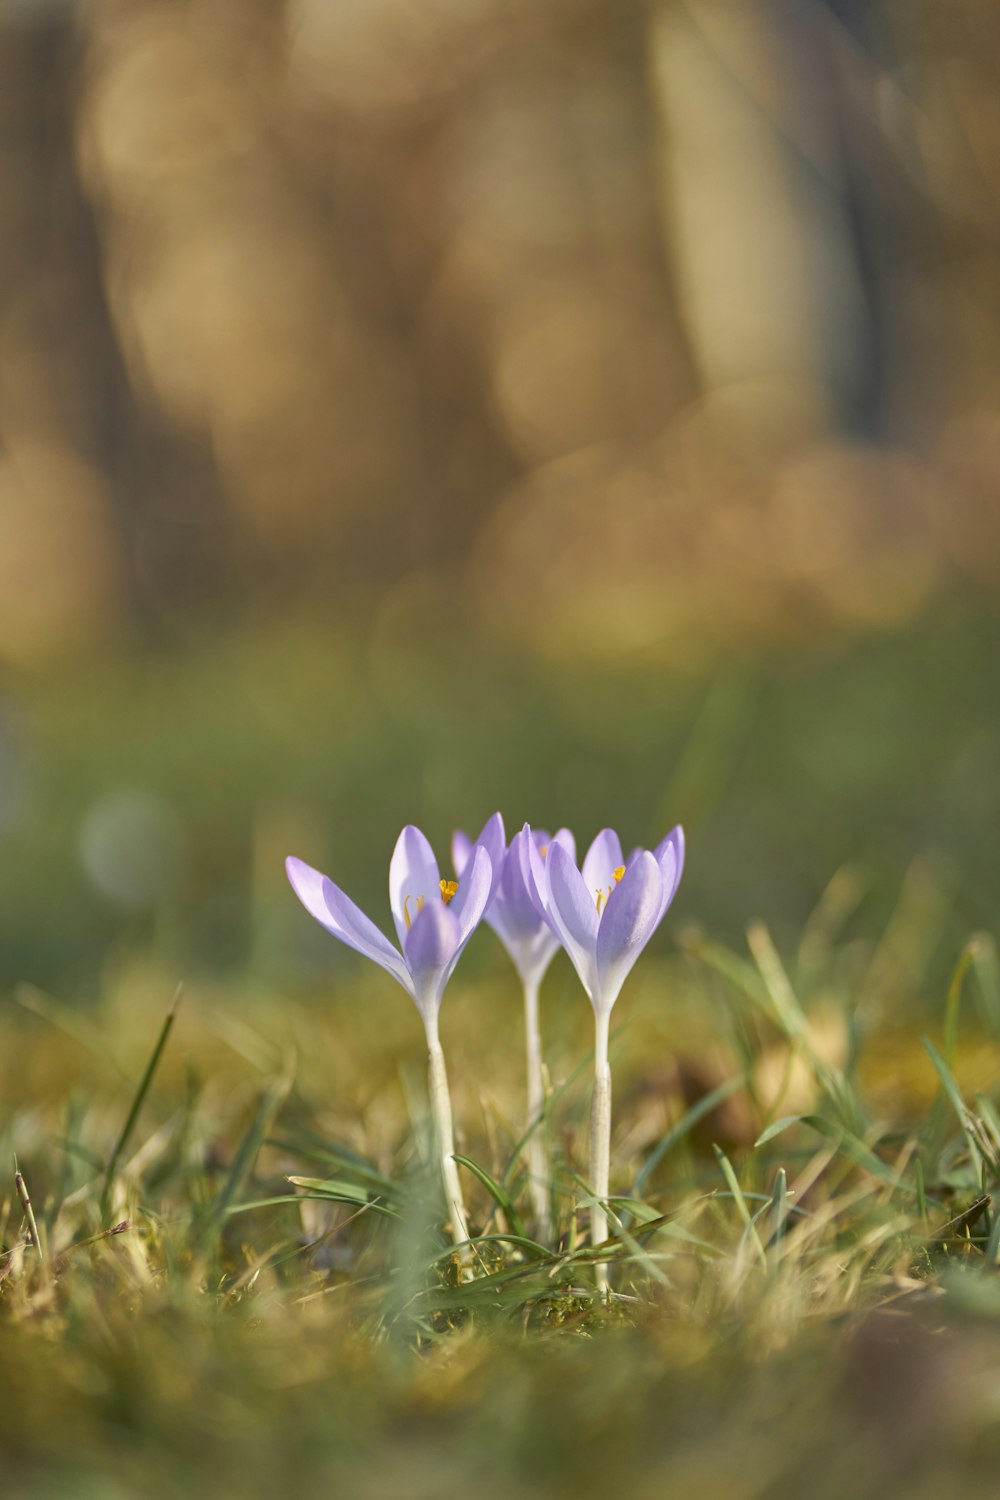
pixel 846 1141
pixel 29 1213
pixel 270 1102
pixel 954 1097
pixel 784 1004
pixel 338 1190
pixel 137 1103
pixel 499 1194
pixel 687 1122
pixel 742 1207
pixel 553 1099
pixel 779 1209
pixel 304 1142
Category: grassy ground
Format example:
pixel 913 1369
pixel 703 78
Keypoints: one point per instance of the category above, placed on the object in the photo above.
pixel 811 1314
pixel 805 1296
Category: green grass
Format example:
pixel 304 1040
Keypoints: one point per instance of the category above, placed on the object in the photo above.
pixel 241 1283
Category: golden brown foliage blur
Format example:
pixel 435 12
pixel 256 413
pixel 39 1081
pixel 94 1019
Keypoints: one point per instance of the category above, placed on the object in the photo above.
pixel 648 325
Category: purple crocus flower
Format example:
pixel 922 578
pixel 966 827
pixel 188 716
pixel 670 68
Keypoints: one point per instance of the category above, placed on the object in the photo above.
pixel 434 920
pixel 604 915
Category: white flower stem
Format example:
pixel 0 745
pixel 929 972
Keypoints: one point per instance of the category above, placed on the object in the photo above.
pixel 444 1137
pixel 537 1156
pixel 600 1140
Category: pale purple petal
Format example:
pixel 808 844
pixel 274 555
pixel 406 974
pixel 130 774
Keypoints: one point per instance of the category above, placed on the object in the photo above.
pixel 432 938
pixel 308 884
pixel 429 948
pixel 532 951
pixel 361 933
pixel 461 848
pixel 532 959
pixel 473 894
pixel 626 925
pixel 564 837
pixel 494 840
pixel 600 862
pixel 669 855
pixel 534 864
pixel 573 915
pixel 534 872
pixel 532 956
pixel 339 915
pixel 493 917
pixel 676 838
pixel 516 920
pixel 413 877
pixel 502 913
pixel 474 889
pixel 668 876
pixel 520 916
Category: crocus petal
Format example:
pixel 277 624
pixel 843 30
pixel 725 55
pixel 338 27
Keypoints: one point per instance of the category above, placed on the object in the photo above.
pixel 461 848
pixel 534 872
pixel 572 913
pixel 676 838
pixel 494 840
pixel 532 959
pixel 535 866
pixel 339 915
pixel 601 861
pixel 521 918
pixel 473 894
pixel 413 876
pixel 429 948
pixel 669 855
pixel 532 956
pixel 627 923
pixel 308 884
pixel 516 920
pixel 564 837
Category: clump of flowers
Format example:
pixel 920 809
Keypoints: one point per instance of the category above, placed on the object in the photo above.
pixel 536 899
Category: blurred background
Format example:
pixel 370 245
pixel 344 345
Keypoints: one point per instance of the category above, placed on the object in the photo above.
pixel 409 409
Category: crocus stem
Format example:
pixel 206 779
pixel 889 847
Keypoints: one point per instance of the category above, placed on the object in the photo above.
pixel 444 1138
pixel 600 1141
pixel 538 1163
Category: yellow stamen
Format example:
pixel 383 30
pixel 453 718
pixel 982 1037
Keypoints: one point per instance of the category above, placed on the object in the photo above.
pixel 448 889
pixel 544 850
pixel 406 908
pixel 600 897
